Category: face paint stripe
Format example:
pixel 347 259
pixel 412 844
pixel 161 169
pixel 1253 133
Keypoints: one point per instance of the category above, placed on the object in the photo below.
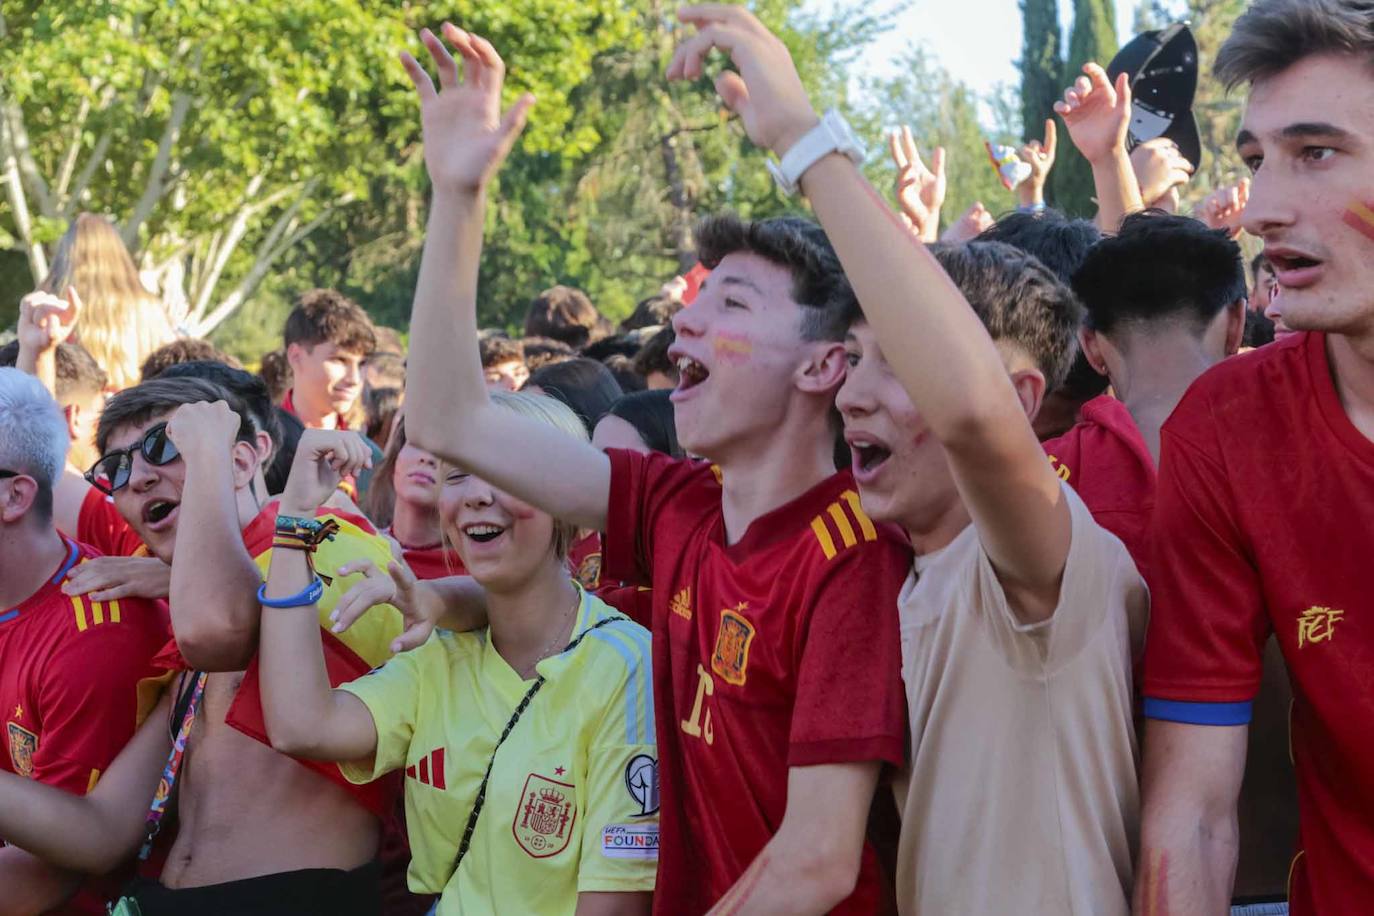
pixel 1360 217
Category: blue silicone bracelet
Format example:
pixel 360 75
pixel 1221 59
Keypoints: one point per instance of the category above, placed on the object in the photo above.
pixel 307 596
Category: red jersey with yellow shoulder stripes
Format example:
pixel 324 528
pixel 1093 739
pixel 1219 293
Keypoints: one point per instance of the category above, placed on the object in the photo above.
pixel 76 680
pixel 778 651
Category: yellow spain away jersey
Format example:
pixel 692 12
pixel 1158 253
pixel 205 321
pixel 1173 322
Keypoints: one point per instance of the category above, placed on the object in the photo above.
pixel 572 805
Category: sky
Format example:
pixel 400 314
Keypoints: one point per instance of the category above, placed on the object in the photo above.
pixel 977 41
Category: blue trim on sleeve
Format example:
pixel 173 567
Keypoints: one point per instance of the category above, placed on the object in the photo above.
pixel 1199 713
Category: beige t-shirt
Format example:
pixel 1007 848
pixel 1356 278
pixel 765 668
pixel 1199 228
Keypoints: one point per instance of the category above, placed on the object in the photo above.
pixel 1023 795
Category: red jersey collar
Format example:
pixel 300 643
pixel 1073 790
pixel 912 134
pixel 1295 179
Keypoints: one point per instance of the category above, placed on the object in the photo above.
pixel 784 522
pixel 73 554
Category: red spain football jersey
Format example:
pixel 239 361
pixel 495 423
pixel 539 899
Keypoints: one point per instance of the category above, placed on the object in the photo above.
pixel 76 680
pixel 778 651
pixel 1105 459
pixel 1265 523
pixel 100 525
pixel 430 562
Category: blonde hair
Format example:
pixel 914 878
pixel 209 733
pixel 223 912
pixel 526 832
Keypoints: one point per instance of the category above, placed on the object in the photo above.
pixel 121 323
pixel 558 415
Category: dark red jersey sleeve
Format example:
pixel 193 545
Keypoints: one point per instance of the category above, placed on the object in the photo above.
pixel 96 686
pixel 642 489
pixel 100 525
pixel 850 704
pixel 1203 652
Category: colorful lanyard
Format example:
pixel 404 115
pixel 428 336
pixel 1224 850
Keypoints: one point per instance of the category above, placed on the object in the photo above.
pixel 158 808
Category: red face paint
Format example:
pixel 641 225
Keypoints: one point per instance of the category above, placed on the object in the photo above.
pixel 1360 217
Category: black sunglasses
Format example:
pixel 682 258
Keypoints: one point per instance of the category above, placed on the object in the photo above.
pixel 113 470
pixel 4 474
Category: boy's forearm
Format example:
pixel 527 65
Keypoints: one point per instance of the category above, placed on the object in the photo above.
pixel 295 684
pixel 935 343
pixel 445 386
pixel 214 581
pixel 1118 192
pixel 30 810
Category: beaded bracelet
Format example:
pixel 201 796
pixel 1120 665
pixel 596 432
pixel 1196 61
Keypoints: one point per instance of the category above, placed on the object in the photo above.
pixel 306 597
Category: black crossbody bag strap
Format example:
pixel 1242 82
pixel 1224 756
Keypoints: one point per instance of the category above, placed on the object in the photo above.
pixel 505 733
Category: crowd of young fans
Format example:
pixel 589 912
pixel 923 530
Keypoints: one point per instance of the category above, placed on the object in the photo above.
pixel 589 622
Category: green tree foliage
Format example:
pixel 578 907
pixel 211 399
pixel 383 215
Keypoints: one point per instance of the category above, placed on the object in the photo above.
pixel 1042 63
pixel 1093 39
pixel 612 212
pixel 224 136
pixel 942 112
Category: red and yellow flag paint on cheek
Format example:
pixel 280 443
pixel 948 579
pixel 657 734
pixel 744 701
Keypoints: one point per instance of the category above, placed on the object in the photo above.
pixel 1360 217
pixel 733 347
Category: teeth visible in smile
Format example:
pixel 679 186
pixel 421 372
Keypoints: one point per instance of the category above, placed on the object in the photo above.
pixel 483 529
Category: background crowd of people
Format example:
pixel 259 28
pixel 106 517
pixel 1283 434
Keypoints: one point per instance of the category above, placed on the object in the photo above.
pixel 862 568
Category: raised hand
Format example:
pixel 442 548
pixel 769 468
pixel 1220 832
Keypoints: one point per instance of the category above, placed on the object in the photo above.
pixel 1097 113
pixel 323 458
pixel 970 225
pixel 205 427
pixel 920 190
pixel 766 93
pixel 1161 171
pixel 397 587
pixel 1040 157
pixel 1224 207
pixel 466 135
pixel 45 321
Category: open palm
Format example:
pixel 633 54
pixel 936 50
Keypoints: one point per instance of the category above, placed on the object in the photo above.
pixel 465 133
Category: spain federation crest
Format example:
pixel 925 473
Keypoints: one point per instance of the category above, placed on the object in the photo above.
pixel 731 657
pixel 23 745
pixel 544 820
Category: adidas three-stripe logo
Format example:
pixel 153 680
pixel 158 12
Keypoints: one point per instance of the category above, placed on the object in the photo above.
pixel 836 520
pixel 430 770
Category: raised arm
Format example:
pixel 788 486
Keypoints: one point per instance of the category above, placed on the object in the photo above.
pixel 448 412
pixel 1189 836
pixel 214 583
pixel 45 322
pixel 93 833
pixel 1098 115
pixel 304 716
pixel 935 343
pixel 1030 194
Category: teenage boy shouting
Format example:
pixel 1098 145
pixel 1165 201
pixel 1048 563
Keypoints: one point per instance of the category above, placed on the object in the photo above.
pixel 775 638
pixel 1019 617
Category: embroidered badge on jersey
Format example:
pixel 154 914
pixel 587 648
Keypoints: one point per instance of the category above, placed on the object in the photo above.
pixel 641 781
pixel 545 816
pixel 731 657
pixel 23 745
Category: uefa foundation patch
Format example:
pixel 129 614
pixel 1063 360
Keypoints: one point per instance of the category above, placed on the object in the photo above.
pixel 630 841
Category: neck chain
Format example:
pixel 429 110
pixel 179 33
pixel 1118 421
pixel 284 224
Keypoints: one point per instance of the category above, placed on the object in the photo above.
pixel 527 671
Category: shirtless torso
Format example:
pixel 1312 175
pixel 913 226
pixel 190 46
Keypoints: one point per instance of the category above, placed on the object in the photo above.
pixel 244 810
